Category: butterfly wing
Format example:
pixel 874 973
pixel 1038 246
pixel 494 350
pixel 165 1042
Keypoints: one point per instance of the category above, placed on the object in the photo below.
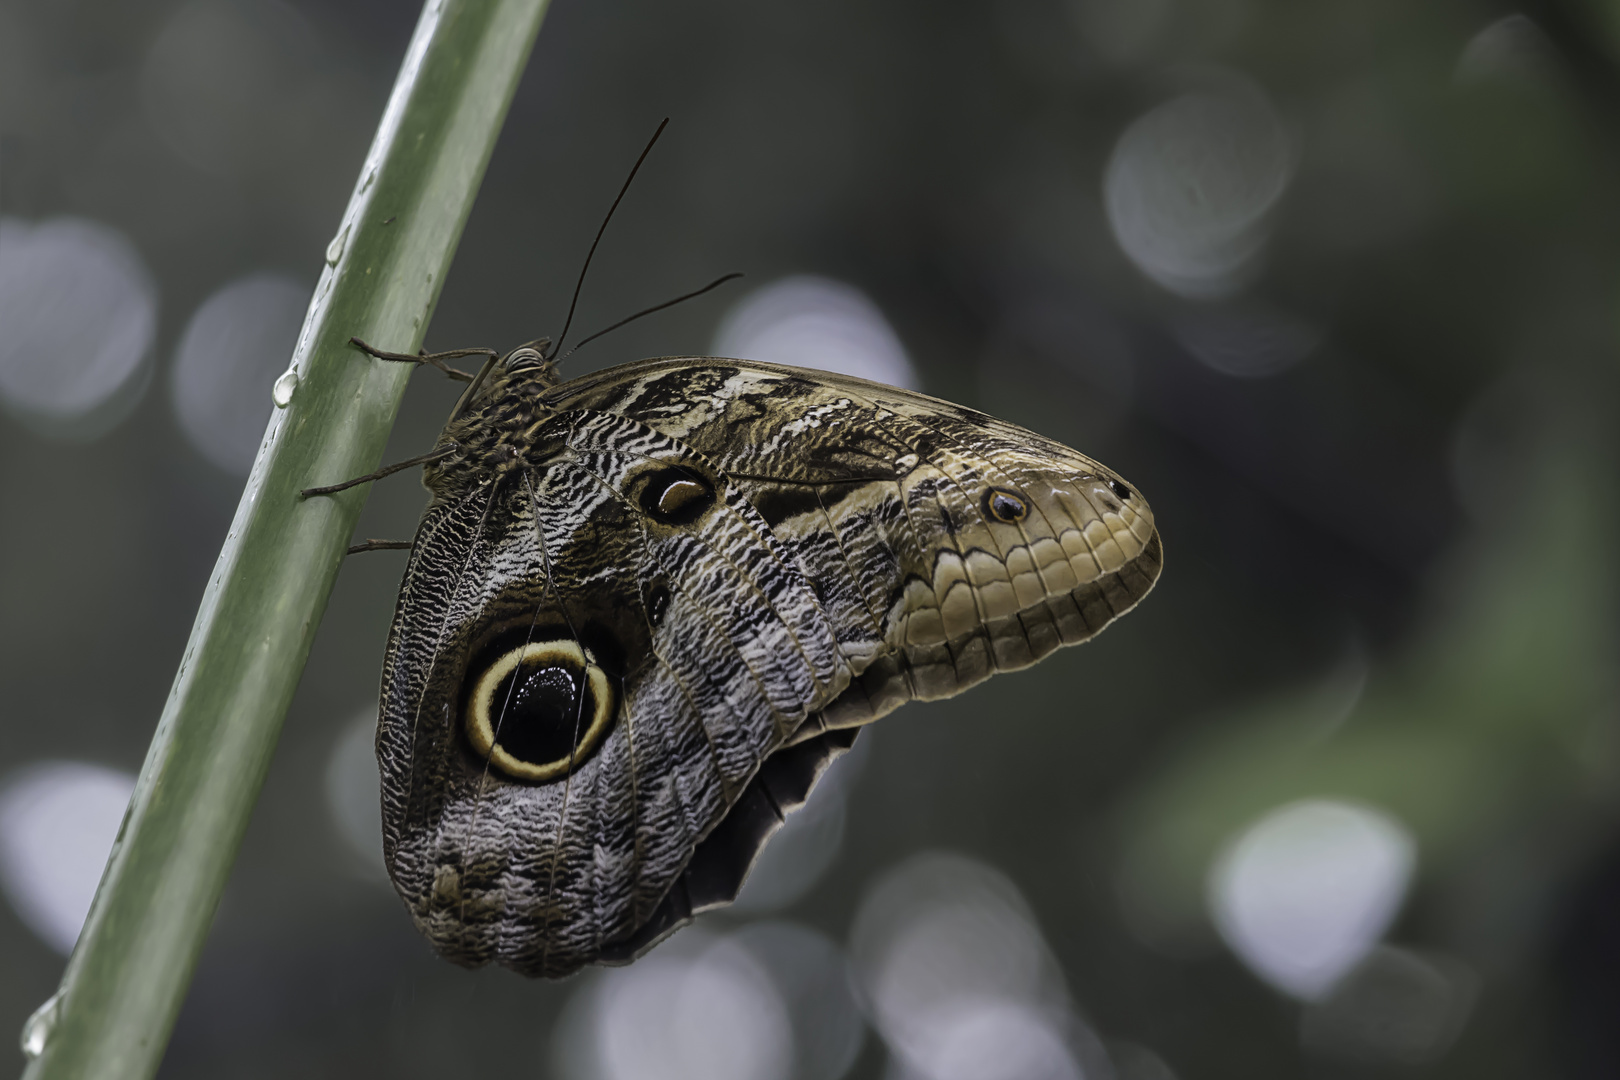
pixel 888 499
pixel 617 663
pixel 592 656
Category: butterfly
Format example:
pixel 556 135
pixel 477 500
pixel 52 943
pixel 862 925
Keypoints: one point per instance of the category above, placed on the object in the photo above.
pixel 646 608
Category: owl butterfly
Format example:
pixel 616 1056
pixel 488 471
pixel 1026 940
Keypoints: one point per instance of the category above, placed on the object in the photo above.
pixel 647 607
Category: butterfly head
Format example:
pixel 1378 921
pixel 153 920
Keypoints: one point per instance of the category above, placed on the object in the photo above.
pixel 530 362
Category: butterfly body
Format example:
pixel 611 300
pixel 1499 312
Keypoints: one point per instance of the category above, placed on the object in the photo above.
pixel 646 607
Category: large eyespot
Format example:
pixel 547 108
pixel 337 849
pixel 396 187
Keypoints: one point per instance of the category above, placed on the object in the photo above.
pixel 538 710
pixel 676 496
pixel 1005 506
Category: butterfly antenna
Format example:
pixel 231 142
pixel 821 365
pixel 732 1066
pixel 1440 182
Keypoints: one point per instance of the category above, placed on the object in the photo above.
pixel 580 284
pixel 715 284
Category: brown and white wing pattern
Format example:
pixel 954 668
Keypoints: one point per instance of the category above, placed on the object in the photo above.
pixel 945 545
pixel 647 607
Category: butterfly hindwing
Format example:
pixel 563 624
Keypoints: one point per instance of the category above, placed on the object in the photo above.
pixel 633 553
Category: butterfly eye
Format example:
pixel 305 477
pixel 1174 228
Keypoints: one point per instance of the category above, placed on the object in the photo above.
pixel 538 710
pixel 523 359
pixel 1005 506
pixel 1120 489
pixel 676 497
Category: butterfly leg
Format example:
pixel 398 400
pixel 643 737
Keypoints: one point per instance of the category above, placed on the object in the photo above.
pixel 382 545
pixel 386 470
pixel 436 359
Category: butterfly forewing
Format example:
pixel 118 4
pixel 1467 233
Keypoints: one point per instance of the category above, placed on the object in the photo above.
pixel 884 505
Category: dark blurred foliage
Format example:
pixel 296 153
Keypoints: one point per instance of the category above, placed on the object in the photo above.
pixel 1426 494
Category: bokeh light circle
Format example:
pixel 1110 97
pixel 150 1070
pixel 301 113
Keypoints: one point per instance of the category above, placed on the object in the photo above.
pixel 232 351
pixel 812 975
pixel 713 1016
pixel 993 1040
pixel 772 999
pixel 945 945
pixel 815 322
pixel 1302 894
pixel 1189 186
pixel 79 312
pixel 58 820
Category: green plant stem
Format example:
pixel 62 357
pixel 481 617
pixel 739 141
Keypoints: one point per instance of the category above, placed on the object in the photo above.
pixel 128 974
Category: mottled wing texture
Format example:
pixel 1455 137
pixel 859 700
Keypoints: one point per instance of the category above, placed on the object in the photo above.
pixel 879 494
pixel 738 654
pixel 825 550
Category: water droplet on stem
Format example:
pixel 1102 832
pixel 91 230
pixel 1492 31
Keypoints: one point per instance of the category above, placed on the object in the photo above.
pixel 36 1030
pixel 282 392
pixel 334 250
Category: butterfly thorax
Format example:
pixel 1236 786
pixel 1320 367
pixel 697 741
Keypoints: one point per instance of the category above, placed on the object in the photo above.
pixel 498 428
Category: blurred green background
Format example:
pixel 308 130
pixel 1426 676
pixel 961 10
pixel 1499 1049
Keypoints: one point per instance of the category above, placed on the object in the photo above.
pixel 1333 283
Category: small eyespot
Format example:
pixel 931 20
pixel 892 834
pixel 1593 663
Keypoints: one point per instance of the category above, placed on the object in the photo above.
pixel 1005 506
pixel 1121 490
pixel 676 496
pixel 539 710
